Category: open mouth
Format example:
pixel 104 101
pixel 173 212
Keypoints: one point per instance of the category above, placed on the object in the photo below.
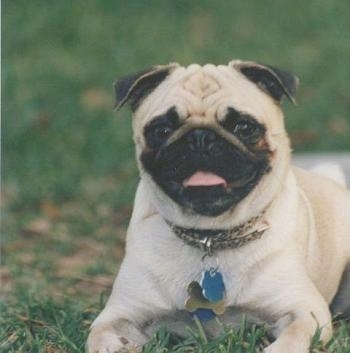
pixel 201 178
pixel 209 193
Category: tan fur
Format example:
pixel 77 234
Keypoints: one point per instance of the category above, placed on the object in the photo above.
pixel 286 279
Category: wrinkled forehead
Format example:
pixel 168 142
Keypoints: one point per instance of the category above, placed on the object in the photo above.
pixel 202 94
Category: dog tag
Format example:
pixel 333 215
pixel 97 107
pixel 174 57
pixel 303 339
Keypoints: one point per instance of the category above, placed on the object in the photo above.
pixel 204 314
pixel 212 284
pixel 196 303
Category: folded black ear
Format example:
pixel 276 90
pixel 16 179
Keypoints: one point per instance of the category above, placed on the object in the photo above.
pixel 133 88
pixel 271 80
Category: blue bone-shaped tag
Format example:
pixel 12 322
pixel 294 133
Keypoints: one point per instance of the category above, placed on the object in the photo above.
pixel 212 284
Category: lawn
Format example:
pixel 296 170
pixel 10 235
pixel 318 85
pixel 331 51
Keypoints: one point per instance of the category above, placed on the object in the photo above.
pixel 69 173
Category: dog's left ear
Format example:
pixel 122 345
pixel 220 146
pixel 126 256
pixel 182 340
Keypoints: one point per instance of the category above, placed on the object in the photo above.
pixel 132 89
pixel 275 82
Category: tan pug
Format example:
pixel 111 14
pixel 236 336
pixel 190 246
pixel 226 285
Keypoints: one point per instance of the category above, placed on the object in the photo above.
pixel 223 225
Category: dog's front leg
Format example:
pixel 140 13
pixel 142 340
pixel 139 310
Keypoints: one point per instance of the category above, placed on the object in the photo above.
pixel 136 298
pixel 295 334
pixel 296 338
pixel 111 337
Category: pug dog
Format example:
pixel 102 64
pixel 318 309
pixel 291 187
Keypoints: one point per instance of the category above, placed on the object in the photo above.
pixel 223 225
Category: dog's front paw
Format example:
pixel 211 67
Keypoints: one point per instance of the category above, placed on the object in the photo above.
pixel 107 341
pixel 282 346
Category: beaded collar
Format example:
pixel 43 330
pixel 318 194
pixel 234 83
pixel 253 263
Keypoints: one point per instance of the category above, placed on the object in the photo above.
pixel 210 240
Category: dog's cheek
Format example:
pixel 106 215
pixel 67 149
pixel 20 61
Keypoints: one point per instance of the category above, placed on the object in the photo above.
pixel 262 150
pixel 261 145
pixel 148 160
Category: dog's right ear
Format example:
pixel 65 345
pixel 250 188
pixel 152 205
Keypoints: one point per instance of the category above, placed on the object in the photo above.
pixel 132 89
pixel 273 81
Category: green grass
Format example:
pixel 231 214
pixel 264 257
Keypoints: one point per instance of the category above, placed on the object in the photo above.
pixel 37 324
pixel 68 167
pixel 244 339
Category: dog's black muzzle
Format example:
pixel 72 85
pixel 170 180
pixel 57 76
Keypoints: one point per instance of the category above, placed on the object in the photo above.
pixel 203 150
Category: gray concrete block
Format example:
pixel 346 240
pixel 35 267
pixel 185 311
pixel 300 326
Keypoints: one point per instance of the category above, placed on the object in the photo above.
pixel 309 160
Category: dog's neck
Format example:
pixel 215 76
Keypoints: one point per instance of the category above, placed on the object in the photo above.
pixel 210 240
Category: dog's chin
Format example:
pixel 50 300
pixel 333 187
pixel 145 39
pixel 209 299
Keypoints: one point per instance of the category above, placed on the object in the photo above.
pixel 211 200
pixel 208 201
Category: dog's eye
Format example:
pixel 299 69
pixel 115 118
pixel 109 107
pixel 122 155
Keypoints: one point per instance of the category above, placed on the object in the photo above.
pixel 245 129
pixel 161 127
pixel 157 134
pixel 243 126
pixel 162 132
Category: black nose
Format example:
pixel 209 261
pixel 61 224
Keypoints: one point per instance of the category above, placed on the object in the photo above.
pixel 201 140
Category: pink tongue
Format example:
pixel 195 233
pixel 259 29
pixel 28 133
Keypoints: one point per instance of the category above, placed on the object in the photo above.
pixel 204 179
